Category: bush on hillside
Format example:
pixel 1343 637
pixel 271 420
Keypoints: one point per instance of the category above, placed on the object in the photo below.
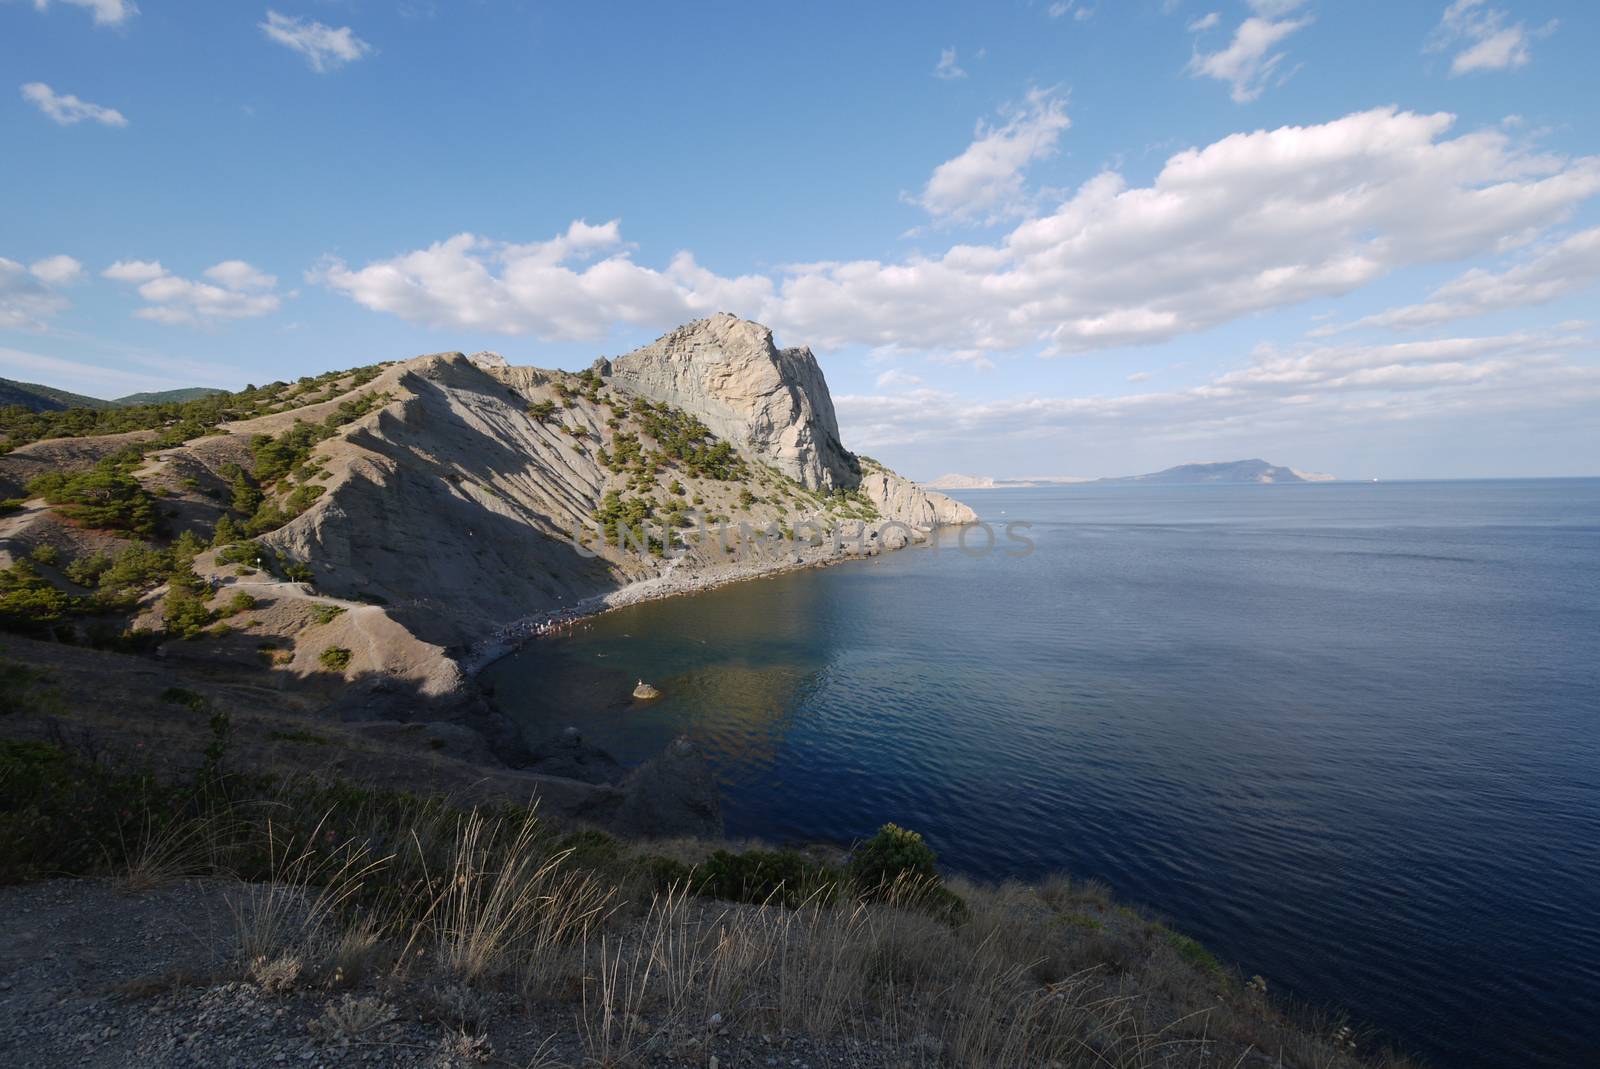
pixel 781 877
pixel 892 854
pixel 106 497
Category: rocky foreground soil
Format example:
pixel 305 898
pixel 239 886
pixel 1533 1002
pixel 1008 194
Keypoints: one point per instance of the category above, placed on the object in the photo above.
pixel 94 975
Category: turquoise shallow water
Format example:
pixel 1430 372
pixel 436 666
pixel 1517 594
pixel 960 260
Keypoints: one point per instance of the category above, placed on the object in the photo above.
pixel 1348 735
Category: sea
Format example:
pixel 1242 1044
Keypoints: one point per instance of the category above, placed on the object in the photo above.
pixel 1347 735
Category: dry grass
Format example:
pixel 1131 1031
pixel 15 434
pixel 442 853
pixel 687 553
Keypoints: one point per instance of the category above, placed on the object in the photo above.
pixel 465 916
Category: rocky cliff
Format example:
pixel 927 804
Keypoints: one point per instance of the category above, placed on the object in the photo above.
pixel 408 513
pixel 768 401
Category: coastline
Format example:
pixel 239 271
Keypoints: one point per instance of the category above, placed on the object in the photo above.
pixel 511 637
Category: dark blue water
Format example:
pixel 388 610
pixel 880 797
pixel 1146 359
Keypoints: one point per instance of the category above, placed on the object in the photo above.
pixel 1347 735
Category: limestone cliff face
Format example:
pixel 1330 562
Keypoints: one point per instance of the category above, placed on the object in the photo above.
pixel 900 499
pixel 468 496
pixel 768 401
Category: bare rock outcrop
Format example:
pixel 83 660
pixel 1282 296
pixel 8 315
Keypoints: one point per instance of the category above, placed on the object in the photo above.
pixel 899 498
pixel 768 401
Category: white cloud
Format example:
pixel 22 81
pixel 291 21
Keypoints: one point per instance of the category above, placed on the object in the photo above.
pixel 1205 22
pixel 897 377
pixel 238 275
pixel 324 47
pixel 542 288
pixel 1252 222
pixel 67 109
pixel 25 301
pixel 1334 388
pixel 984 183
pixel 1075 8
pixel 947 68
pixel 1485 39
pixel 1139 376
pixel 134 271
pixel 56 270
pixel 1559 270
pixel 1249 62
pixel 106 12
pixel 237 291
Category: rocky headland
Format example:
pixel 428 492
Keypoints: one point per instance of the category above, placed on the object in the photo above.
pixel 364 541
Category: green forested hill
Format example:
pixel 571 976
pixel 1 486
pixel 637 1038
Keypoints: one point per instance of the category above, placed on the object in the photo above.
pixel 39 398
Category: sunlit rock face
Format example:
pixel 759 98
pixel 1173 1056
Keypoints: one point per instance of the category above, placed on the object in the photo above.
pixel 769 402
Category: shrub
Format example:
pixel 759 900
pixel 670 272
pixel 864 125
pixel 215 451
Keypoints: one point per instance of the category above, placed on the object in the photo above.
pixel 326 614
pixel 226 533
pixel 240 602
pixel 28 602
pixel 783 877
pixel 890 855
pixel 45 555
pixel 296 571
pixel 184 614
pixel 334 658
pixel 106 497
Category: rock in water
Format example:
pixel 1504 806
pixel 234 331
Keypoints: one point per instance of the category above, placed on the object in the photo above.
pixel 644 691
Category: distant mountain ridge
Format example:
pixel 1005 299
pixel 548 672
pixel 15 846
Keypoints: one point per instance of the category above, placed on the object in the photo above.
pixel 1228 471
pixel 39 398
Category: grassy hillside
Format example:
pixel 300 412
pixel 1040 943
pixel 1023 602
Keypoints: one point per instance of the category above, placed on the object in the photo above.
pixel 37 398
pixel 168 397
pixel 513 939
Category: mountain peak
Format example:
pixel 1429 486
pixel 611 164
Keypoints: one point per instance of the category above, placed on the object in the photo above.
pixel 729 372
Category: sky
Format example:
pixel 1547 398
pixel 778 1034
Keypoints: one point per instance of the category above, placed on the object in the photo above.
pixel 1048 238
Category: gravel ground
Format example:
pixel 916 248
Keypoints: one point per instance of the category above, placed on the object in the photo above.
pixel 93 975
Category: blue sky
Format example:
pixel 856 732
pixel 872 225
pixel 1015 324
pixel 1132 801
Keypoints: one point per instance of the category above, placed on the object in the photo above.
pixel 1042 238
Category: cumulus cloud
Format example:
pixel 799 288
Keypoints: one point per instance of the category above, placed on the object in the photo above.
pixel 574 286
pixel 1208 21
pixel 947 68
pixel 1250 59
pixel 236 291
pixel 26 300
pixel 1252 222
pixel 1561 269
pixel 1336 387
pixel 1483 37
pixel 324 47
pixel 67 109
pixel 238 275
pixel 133 271
pixel 985 182
pixel 105 12
pixel 56 270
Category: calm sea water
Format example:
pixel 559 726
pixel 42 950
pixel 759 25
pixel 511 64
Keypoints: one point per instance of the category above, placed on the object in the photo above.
pixel 1347 735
